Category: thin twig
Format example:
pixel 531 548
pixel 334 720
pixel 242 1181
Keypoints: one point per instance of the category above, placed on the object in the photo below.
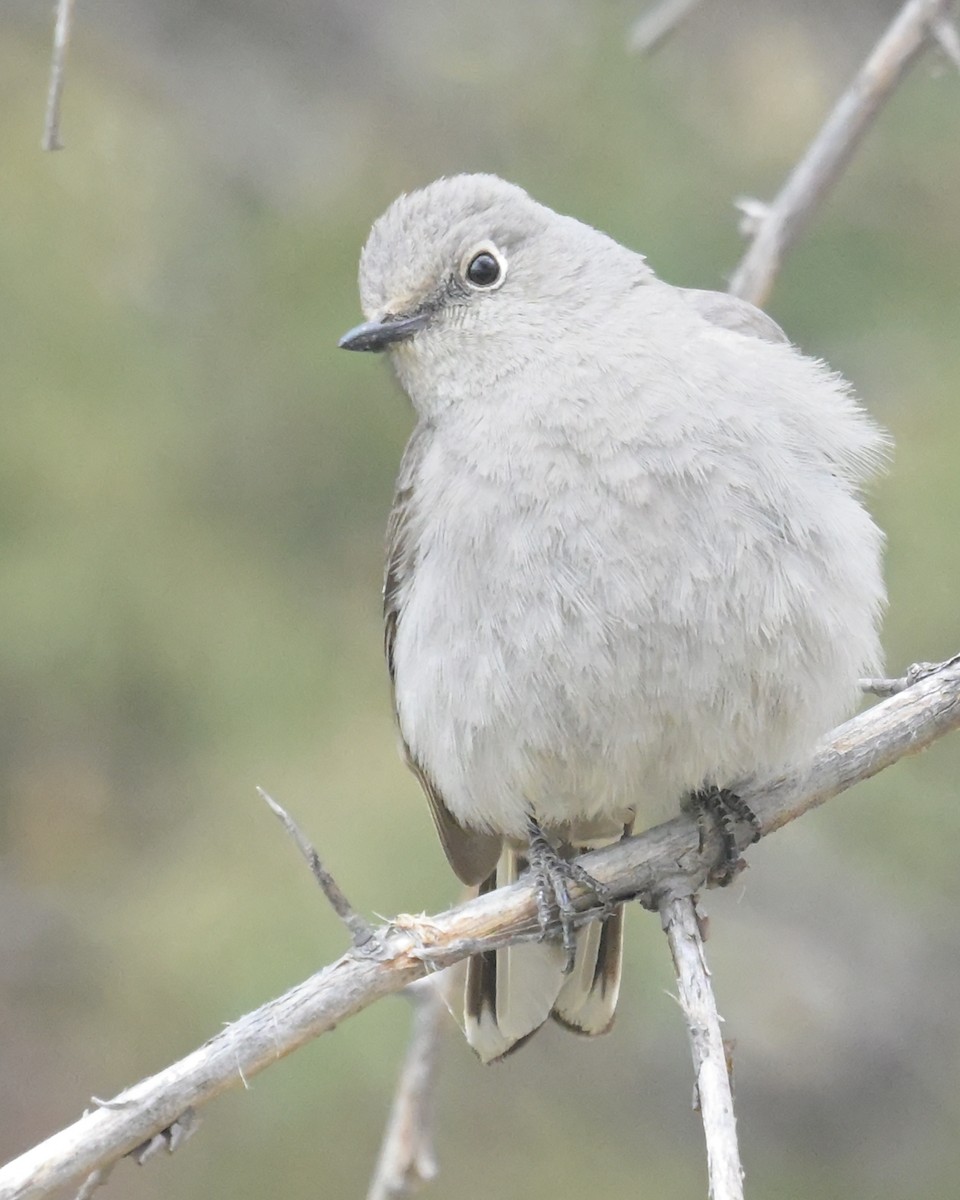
pixel 773 228
pixel 412 947
pixel 406 1159
pixel 61 43
pixel 652 28
pixel 713 1094
pixel 361 932
pixel 920 670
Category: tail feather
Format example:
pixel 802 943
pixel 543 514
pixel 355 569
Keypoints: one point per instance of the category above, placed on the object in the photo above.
pixel 511 992
pixel 588 999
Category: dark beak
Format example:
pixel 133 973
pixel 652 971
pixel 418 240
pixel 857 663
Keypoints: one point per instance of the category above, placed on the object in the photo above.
pixel 377 335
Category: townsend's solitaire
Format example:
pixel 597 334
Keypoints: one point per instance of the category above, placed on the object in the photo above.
pixel 627 562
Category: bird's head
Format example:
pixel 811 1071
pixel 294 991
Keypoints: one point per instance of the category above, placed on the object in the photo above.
pixel 469 277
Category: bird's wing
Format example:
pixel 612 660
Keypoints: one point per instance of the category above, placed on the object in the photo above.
pixel 730 312
pixel 472 855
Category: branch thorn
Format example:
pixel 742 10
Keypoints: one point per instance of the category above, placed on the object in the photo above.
pixel 361 932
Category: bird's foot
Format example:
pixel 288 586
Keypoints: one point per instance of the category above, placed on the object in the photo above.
pixel 724 808
pixel 552 875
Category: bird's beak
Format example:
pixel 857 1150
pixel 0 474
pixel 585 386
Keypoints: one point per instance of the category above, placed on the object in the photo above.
pixel 377 335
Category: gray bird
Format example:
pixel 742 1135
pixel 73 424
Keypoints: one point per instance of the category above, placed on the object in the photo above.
pixel 627 561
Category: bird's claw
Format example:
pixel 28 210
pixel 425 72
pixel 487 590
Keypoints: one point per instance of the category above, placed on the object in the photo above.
pixel 552 875
pixel 725 808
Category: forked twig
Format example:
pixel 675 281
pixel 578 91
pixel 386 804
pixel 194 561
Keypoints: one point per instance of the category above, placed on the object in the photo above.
pixel 773 228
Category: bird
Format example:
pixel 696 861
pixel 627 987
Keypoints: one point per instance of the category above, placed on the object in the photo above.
pixel 629 564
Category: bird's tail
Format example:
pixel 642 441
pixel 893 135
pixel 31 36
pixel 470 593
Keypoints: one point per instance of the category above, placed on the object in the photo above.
pixel 511 992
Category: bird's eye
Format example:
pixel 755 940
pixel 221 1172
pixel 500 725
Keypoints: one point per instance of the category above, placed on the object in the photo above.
pixel 484 269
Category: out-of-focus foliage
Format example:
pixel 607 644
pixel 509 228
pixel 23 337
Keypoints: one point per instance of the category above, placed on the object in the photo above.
pixel 193 484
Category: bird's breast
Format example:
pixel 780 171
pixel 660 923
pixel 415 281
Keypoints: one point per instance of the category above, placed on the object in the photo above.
pixel 578 627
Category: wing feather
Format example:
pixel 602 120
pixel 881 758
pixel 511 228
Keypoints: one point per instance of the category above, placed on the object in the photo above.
pixel 730 312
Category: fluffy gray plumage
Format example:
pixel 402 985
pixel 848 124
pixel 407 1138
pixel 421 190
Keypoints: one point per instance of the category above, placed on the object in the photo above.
pixel 628 558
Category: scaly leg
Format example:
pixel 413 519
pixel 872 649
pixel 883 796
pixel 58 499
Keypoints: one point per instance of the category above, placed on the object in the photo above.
pixel 552 873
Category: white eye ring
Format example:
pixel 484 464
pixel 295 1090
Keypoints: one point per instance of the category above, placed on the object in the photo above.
pixel 483 268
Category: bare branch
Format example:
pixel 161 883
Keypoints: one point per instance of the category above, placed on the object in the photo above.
pixel 773 228
pixel 61 43
pixel 361 932
pixel 411 947
pixel 713 1095
pixel 406 1156
pixel 652 28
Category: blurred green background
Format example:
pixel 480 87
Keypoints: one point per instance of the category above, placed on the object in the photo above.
pixel 193 488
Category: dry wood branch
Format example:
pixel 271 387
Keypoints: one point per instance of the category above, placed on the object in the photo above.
pixel 406 1156
pixel 411 947
pixel 773 228
pixel 61 43
pixel 714 1098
